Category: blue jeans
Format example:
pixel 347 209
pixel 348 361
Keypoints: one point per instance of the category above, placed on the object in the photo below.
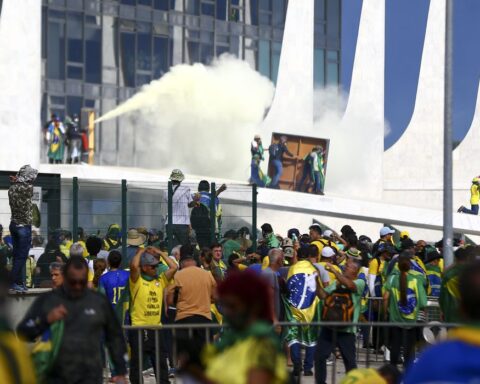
pixel 473 211
pixel 296 355
pixel 22 240
pixel 277 173
pixel 254 175
pixel 306 174
pixel 318 182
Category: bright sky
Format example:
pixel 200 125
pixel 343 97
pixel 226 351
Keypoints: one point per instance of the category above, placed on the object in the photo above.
pixel 405 32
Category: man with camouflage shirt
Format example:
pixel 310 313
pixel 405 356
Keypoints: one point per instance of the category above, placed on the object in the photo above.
pixel 20 196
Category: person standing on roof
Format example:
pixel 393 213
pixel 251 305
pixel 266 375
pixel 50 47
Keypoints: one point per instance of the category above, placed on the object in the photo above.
pixel 276 156
pixel 474 198
pixel 313 170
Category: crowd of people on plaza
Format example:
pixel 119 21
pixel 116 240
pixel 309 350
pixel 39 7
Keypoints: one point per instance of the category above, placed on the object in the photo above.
pixel 247 289
pixel 66 136
pixel 312 169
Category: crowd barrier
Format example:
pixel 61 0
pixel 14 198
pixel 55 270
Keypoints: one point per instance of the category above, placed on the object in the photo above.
pixel 366 357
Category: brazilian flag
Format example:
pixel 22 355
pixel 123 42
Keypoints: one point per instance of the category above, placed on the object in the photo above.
pixel 302 304
pixel 45 350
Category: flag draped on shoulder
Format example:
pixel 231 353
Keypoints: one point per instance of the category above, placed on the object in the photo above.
pixel 302 303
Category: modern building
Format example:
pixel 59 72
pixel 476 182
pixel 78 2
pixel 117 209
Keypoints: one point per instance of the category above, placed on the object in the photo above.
pixel 96 54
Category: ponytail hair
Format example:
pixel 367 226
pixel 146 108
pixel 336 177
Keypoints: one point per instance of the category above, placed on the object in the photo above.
pixel 404 267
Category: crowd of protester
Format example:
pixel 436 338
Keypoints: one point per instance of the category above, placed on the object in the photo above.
pixel 248 289
pixel 66 140
pixel 312 171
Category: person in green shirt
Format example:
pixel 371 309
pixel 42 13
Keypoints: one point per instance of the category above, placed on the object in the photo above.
pixel 269 238
pixel 344 337
pixel 403 297
pixel 449 294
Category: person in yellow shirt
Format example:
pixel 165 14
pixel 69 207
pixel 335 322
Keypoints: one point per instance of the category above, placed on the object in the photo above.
pixel 474 198
pixel 321 241
pixel 147 294
pixel 328 257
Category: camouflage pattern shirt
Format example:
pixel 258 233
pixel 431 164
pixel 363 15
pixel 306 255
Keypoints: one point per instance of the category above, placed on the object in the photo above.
pixel 20 198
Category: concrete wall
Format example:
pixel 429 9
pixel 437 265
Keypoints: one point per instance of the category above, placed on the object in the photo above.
pixel 20 95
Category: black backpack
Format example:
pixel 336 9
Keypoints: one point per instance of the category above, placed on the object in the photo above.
pixel 200 217
pixel 338 306
pixel 273 150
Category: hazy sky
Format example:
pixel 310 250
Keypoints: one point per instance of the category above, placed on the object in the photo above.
pixel 404 36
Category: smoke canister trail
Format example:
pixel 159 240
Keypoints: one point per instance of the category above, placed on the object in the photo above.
pixel 227 90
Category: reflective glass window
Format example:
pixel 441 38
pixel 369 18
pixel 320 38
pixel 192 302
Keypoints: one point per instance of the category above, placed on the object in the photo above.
pixel 193 52
pixel 161 4
pixel 333 17
pixel 127 58
pixel 253 12
pixel 145 2
pixel 192 7
pixel 93 55
pixel 74 72
pixel 276 50
pixel 144 51
pixel 319 67
pixel 264 57
pixel 319 11
pixel 74 37
pixel 128 2
pixel 208 8
pixel 143 79
pixel 56 51
pixel 279 12
pixel 221 11
pixel 206 53
pixel 74 105
pixel 160 56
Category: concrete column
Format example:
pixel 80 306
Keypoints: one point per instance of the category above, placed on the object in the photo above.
pixel 20 79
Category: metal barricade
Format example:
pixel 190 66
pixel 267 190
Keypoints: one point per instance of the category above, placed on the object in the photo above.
pixel 364 357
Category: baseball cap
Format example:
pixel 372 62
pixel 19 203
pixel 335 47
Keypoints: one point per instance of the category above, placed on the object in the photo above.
pixel 288 252
pixel 148 259
pixel 327 233
pixel 386 231
pixel 354 253
pixel 286 242
pixel 404 234
pixel 328 252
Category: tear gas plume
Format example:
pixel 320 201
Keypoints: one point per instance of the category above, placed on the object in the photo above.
pixel 198 118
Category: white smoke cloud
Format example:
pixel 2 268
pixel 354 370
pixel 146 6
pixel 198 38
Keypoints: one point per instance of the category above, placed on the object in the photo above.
pixel 199 118
pixel 354 144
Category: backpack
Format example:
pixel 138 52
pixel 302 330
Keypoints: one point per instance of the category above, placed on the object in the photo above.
pixel 273 150
pixel 200 217
pixel 338 306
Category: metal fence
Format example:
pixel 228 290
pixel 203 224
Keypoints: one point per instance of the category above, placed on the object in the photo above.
pixel 365 357
pixel 73 209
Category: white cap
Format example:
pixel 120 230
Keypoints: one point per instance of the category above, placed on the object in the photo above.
pixel 327 233
pixel 328 252
pixel 386 231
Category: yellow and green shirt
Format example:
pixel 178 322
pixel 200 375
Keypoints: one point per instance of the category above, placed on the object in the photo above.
pixel 147 300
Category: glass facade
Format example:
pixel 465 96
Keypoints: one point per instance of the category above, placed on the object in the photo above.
pixel 96 53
